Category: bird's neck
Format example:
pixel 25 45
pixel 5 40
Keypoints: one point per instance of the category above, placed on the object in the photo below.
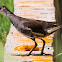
pixel 9 14
pixel 12 17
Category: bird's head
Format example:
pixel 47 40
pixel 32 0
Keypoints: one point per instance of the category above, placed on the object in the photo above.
pixel 3 9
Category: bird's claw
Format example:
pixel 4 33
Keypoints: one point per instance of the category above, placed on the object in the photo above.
pixel 45 54
pixel 25 55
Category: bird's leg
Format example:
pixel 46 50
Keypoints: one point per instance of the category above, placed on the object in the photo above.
pixel 33 47
pixel 43 47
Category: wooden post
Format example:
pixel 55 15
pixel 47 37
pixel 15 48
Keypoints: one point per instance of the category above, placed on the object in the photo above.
pixel 57 39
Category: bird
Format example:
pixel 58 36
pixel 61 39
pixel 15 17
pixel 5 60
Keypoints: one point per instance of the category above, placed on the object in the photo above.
pixel 31 28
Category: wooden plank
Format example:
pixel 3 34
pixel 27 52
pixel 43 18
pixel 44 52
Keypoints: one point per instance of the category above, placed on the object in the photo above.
pixel 34 9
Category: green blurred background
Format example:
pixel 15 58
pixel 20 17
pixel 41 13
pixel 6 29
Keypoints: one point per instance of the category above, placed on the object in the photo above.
pixel 4 25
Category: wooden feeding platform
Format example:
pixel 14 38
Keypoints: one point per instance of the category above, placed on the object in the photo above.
pixel 17 44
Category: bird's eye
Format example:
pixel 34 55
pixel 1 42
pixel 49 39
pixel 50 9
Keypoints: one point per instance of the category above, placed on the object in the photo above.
pixel 0 8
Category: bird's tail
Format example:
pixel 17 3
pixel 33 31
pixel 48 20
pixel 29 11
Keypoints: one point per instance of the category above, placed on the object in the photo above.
pixel 54 29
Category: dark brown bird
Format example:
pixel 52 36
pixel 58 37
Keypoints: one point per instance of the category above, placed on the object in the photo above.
pixel 31 28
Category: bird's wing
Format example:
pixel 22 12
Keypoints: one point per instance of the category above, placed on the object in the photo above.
pixel 35 25
pixel 51 24
pixel 29 33
pixel 26 30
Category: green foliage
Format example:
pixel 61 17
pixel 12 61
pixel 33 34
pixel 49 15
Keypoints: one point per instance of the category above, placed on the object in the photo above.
pixel 4 21
pixel 4 26
pixel 1 52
